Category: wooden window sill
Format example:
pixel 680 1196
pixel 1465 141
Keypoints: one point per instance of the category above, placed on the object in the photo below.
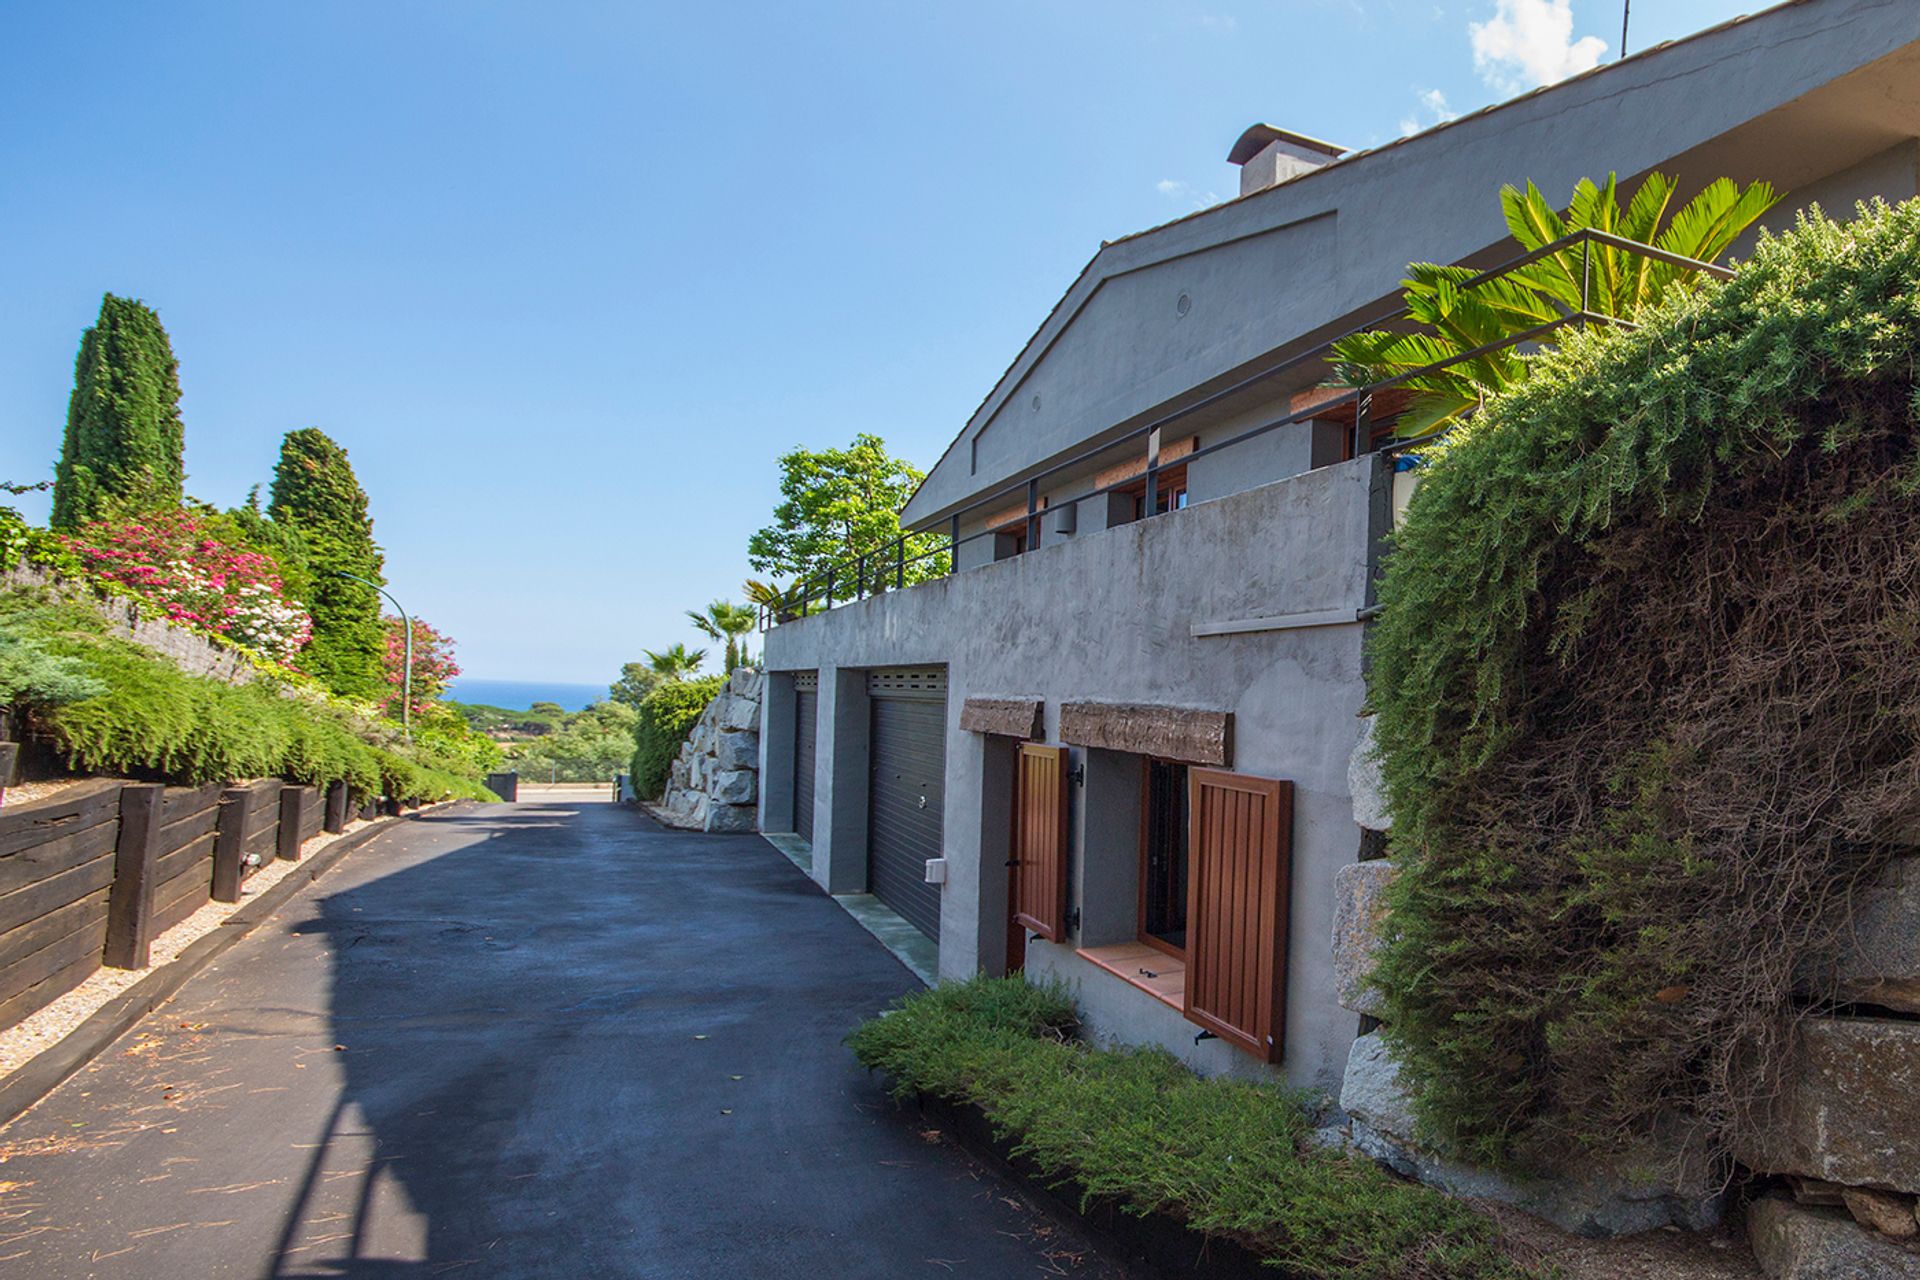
pixel 1137 964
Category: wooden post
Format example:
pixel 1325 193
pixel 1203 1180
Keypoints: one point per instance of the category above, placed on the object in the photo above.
pixel 293 816
pixel 130 900
pixel 335 819
pixel 229 844
pixel 9 751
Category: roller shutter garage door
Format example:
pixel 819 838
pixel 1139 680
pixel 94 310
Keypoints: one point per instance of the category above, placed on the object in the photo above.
pixel 907 791
pixel 806 728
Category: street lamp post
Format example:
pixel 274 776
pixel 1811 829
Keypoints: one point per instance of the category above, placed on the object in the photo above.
pixel 406 669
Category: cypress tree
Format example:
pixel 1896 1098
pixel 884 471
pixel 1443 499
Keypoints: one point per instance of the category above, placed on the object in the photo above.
pixel 121 453
pixel 316 497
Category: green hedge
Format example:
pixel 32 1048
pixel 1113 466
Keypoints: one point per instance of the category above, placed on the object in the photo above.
pixel 667 716
pixel 1228 1158
pixel 144 716
pixel 1646 700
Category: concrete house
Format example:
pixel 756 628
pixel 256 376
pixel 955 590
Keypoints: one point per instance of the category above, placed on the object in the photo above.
pixel 1113 746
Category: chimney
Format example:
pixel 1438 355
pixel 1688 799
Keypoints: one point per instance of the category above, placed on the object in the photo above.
pixel 1268 157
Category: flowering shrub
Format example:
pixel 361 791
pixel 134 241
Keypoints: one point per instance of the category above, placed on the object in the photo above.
pixel 169 559
pixel 433 664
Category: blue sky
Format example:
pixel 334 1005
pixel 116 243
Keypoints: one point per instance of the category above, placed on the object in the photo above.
pixel 566 278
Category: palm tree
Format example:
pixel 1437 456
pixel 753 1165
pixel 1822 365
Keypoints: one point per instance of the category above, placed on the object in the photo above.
pixel 764 595
pixel 784 602
pixel 726 622
pixel 675 663
pixel 1601 279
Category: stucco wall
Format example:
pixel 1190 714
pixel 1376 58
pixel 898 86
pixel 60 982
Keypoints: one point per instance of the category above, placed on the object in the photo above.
pixel 1795 96
pixel 1107 617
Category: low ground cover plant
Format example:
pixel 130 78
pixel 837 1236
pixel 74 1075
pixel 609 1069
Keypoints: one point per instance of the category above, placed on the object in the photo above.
pixel 1648 705
pixel 1229 1158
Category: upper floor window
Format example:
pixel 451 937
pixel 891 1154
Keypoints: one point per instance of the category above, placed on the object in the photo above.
pixel 1170 492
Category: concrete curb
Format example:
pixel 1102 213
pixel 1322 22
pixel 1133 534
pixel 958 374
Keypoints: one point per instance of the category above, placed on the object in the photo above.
pixel 51 1068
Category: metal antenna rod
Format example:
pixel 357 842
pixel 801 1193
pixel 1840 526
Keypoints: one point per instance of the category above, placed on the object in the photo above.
pixel 1626 15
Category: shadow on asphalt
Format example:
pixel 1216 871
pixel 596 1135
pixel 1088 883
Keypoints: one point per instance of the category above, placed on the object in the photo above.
pixel 578 1044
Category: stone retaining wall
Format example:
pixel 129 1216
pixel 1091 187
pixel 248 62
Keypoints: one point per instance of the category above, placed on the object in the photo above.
pixel 1844 1144
pixel 192 653
pixel 714 783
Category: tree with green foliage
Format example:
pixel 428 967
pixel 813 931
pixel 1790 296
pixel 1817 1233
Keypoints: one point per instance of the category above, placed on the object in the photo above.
pixel 124 445
pixel 676 662
pixel 839 504
pixel 1602 279
pixel 636 681
pixel 316 497
pixel 727 622
pixel 592 746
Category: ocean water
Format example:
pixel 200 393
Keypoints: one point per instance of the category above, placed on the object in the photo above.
pixel 518 695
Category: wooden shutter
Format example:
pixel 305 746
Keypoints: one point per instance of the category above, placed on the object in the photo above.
pixel 1040 842
pixel 1240 855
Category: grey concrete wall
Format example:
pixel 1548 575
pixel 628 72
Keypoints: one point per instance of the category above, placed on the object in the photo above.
pixel 841 775
pixel 988 859
pixel 1282 452
pixel 1893 175
pixel 1794 95
pixel 1107 616
pixel 1119 1013
pixel 776 765
pixel 1106 875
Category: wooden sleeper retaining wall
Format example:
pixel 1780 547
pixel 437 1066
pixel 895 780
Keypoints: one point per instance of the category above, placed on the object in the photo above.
pixel 91 877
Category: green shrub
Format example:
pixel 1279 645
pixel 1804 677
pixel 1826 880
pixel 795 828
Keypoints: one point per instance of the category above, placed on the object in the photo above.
pixel 1647 702
pixel 29 673
pixel 1229 1158
pixel 667 716
pixel 139 714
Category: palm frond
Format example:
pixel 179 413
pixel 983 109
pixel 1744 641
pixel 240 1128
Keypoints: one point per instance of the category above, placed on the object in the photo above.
pixel 1533 222
pixel 1648 206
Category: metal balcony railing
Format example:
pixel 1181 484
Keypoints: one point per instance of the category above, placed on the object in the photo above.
pixel 890 567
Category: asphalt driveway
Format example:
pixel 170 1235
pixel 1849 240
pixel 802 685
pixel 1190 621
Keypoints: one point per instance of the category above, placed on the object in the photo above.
pixel 541 1040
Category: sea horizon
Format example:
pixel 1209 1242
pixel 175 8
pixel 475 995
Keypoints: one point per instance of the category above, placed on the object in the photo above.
pixel 519 695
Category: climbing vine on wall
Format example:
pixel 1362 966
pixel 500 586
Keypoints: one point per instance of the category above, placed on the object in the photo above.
pixel 1647 702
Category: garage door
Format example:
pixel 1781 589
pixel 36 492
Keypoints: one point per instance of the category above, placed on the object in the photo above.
pixel 806 724
pixel 907 791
